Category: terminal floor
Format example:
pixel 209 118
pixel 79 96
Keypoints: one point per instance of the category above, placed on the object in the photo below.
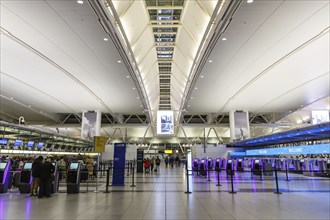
pixel 162 197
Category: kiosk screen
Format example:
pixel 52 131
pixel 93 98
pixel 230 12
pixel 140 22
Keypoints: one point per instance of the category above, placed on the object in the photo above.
pixel 218 160
pixel 256 161
pixel 302 160
pixel 3 166
pixel 203 161
pixel 27 166
pixel 239 160
pixel 229 161
pixel 73 166
pixel 40 144
pixel 30 144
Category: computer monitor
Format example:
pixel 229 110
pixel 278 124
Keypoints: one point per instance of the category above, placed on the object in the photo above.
pixel 18 143
pixel 30 144
pixel 73 166
pixel 3 141
pixel 27 166
pixel 2 165
pixel 40 145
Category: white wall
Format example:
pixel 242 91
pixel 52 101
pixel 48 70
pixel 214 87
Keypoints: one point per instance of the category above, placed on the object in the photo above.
pixel 211 151
pixel 109 150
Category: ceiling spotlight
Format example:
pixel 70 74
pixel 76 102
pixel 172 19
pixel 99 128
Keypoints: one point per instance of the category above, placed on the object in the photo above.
pixel 127 77
pixel 80 2
pixel 224 38
pixel 188 106
pixel 12 98
pixel 119 61
pixel 133 88
pixel 29 106
pixel 249 1
pixel 105 39
pixel 196 88
pixel 202 76
pixel 210 61
pixel 138 97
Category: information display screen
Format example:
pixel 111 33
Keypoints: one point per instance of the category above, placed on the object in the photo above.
pixel 165 124
pixel 73 166
pixel 18 143
pixel 40 144
pixel 27 166
pixel 256 161
pixel 2 166
pixel 229 161
pixel 302 160
pixel 3 141
pixel 30 144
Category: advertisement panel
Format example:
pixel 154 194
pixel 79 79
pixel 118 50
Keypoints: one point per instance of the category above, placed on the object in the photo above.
pixel 165 122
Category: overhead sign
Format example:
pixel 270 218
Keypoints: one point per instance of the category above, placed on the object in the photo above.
pixel 168 151
pixel 91 124
pixel 165 122
pixel 320 116
pixel 99 143
pixel 308 149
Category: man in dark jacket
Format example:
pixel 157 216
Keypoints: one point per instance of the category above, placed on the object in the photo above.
pixel 36 165
pixel 46 174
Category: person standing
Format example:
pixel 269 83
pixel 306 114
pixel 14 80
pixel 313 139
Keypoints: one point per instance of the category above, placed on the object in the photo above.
pixel 166 161
pixel 90 166
pixel 46 173
pixel 35 172
pixel 157 165
pixel 152 162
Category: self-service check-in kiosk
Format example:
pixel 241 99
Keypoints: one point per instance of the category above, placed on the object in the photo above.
pixel 55 180
pixel 196 160
pixel 26 178
pixel 218 164
pixel 73 178
pixel 256 167
pixel 202 167
pixel 240 164
pixel 230 167
pixel 4 176
pixel 209 164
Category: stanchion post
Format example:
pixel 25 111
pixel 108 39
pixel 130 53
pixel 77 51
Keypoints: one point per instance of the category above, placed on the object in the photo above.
pixel 187 177
pixel 232 182
pixel 261 169
pixel 133 185
pixel 286 171
pixel 218 172
pixel 208 173
pixel 277 191
pixel 107 184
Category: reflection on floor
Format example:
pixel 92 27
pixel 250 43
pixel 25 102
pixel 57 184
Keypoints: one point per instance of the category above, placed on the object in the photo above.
pixel 162 197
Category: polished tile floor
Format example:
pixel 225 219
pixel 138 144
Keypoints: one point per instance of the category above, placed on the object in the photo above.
pixel 162 197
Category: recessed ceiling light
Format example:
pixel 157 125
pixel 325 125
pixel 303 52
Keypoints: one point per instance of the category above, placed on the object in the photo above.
pixel 141 106
pixel 105 39
pixel 80 2
pixel 196 88
pixel 202 76
pixel 224 38
pixel 133 88
pixel 127 77
pixel 210 61
pixel 290 111
pixel 301 105
pixel 191 97
pixel 29 106
pixel 249 1
pixel 12 98
pixel 138 97
pixel 119 61
pixel 188 106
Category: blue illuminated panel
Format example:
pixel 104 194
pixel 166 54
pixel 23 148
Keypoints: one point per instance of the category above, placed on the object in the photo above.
pixel 309 149
pixel 237 154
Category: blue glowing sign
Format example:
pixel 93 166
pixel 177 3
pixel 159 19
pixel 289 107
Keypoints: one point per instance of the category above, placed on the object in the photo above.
pixel 309 149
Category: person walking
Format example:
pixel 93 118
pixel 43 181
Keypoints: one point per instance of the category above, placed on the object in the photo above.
pixel 46 173
pixel 36 166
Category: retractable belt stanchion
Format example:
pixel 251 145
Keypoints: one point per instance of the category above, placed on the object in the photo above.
pixel 232 182
pixel 286 172
pixel 208 173
pixel 107 184
pixel 218 172
pixel 187 177
pixel 277 191
pixel 133 185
